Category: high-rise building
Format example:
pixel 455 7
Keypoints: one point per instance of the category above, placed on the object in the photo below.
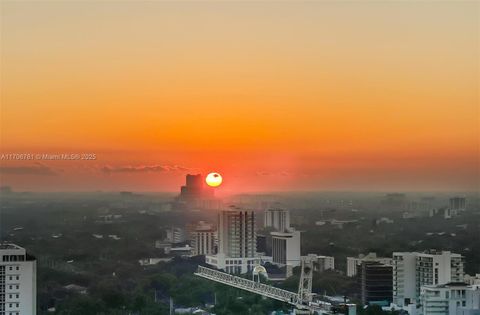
pixel 376 283
pixel 458 204
pixel 196 194
pixel 194 187
pixel 404 278
pixel 18 284
pixel 286 247
pixel 237 233
pixel 279 219
pixel 454 298
pixel 354 263
pixel 413 270
pixel 204 239
pixel 237 244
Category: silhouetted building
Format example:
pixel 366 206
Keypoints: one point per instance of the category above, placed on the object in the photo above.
pixel 376 283
pixel 196 194
pixel 195 188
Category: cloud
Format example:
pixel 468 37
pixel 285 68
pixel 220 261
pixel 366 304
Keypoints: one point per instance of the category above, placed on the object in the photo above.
pixel 144 169
pixel 37 169
pixel 280 173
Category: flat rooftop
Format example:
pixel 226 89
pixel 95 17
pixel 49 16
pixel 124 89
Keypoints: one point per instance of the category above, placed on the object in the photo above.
pixel 9 246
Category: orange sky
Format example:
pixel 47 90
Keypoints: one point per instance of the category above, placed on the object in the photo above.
pixel 275 95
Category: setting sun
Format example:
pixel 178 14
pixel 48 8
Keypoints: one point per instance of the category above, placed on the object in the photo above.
pixel 213 179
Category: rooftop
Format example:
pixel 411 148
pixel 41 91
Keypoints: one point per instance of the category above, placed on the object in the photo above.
pixel 9 246
pixel 447 285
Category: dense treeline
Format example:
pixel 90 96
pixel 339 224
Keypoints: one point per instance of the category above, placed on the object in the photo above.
pixel 60 231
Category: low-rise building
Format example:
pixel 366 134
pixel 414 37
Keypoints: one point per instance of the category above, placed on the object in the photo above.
pixel 472 279
pixel 449 299
pixel 176 235
pixel 322 263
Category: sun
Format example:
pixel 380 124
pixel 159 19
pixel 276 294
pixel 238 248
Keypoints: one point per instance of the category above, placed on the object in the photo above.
pixel 213 179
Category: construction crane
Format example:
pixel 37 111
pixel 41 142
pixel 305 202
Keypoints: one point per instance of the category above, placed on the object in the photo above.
pixel 305 283
pixel 302 301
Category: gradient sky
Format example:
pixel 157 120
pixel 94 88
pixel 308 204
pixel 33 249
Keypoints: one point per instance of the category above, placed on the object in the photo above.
pixel 273 95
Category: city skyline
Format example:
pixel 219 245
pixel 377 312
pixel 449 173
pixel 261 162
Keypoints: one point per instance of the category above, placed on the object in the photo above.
pixel 275 96
pixel 240 157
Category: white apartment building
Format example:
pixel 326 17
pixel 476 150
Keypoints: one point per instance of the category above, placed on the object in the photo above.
pixel 286 248
pixel 279 219
pixel 404 278
pixel 413 270
pixel 354 263
pixel 18 284
pixel 322 263
pixel 176 235
pixel 472 298
pixel 442 299
pixel 237 244
pixel 472 279
pixel 454 298
pixel 203 241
